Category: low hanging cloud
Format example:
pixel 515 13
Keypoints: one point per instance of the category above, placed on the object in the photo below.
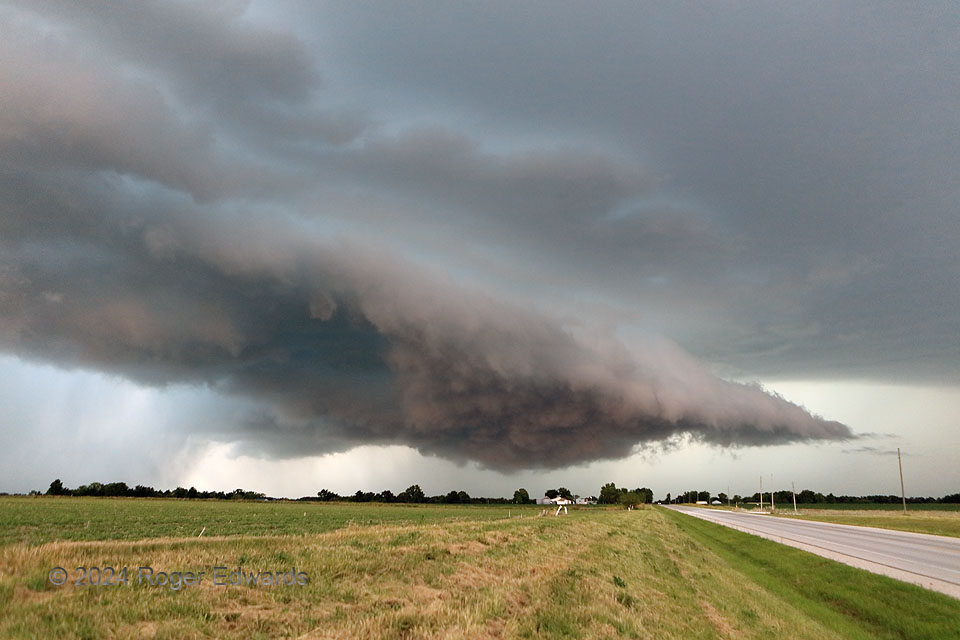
pixel 180 203
pixel 344 344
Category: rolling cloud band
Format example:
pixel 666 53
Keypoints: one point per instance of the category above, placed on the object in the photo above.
pixel 242 198
pixel 349 345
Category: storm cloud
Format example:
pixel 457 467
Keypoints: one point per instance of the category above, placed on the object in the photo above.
pixel 346 219
pixel 345 344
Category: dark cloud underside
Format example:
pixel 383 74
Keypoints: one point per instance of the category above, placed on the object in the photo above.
pixel 445 226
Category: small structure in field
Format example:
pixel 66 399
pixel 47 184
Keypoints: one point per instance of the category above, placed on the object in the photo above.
pixel 559 501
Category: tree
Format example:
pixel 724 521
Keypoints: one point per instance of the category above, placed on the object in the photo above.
pixel 57 489
pixel 551 493
pixel 609 494
pixel 413 493
pixel 630 499
pixel 326 495
pixel 563 492
pixel 646 495
pixel 116 489
pixel 520 496
pixel 92 489
pixel 668 498
pixel 722 497
pixel 141 491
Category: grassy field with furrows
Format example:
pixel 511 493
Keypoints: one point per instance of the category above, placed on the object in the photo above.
pixel 461 572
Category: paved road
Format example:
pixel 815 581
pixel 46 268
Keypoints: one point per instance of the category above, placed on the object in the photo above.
pixel 930 561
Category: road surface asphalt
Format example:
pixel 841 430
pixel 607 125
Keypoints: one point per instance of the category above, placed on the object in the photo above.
pixel 930 561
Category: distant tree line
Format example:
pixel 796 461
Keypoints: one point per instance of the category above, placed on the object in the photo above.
pixel 694 496
pixel 121 490
pixel 610 494
pixel 806 496
pixel 412 494
pixel 415 495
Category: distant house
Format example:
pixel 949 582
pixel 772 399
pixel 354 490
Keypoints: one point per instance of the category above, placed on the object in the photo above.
pixel 544 500
pixel 559 500
pixel 701 502
pixel 715 501
pixel 590 500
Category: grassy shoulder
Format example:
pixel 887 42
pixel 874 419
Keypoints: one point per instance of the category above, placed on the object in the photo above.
pixel 850 602
pixel 593 574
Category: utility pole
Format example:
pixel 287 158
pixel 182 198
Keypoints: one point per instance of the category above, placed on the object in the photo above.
pixel 903 494
pixel 793 487
pixel 761 492
pixel 772 506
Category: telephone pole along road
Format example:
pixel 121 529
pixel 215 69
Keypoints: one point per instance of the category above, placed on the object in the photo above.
pixel 929 561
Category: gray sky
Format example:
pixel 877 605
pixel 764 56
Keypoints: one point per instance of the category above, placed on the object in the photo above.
pixel 296 245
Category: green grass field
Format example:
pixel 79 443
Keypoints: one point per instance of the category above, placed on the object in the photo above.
pixel 379 571
pixel 33 520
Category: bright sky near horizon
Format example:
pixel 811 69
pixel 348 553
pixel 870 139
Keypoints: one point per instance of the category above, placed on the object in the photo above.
pixel 287 246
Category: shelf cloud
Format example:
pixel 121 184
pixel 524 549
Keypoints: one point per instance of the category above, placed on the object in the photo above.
pixel 346 344
pixel 313 214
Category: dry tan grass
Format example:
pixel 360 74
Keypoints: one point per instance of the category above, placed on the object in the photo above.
pixel 593 574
